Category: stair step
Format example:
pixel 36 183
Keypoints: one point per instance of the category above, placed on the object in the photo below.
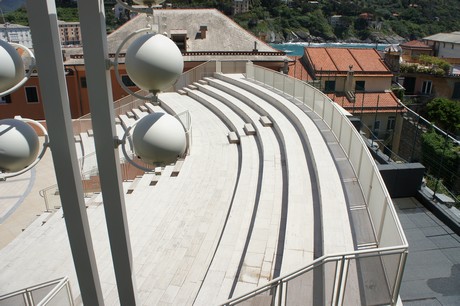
pixel 233 138
pixel 154 108
pixel 177 168
pixel 266 121
pixel 133 185
pixel 249 129
pixel 143 108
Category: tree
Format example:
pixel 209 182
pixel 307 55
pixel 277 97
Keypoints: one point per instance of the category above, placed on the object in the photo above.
pixel 444 113
pixel 440 156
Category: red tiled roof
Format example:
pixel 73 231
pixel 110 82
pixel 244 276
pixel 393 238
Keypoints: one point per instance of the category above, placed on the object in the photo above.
pixel 368 102
pixel 339 60
pixel 369 60
pixel 416 44
pixel 297 69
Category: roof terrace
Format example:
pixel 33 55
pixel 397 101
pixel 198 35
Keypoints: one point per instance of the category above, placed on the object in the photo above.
pixel 294 210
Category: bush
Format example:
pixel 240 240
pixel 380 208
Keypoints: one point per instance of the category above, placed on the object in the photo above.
pixel 440 157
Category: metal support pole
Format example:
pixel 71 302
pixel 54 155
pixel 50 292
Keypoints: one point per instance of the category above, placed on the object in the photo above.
pixel 47 46
pixel 92 22
pixel 446 144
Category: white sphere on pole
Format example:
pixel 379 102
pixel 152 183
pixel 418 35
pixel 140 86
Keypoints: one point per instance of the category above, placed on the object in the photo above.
pixel 19 145
pixel 153 62
pixel 159 138
pixel 11 68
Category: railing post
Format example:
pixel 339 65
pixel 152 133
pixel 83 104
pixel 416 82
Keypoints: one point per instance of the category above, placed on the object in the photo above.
pixel 402 263
pixel 280 293
pixel 339 290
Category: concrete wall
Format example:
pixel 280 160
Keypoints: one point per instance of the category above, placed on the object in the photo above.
pixel 402 180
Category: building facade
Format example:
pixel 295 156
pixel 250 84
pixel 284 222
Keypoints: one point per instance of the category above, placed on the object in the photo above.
pixel 70 33
pixel 16 33
pixel 201 34
pixel 360 82
pixel 445 45
pixel 240 6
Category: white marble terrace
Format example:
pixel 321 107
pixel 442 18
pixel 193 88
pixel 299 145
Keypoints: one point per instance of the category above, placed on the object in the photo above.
pixel 265 190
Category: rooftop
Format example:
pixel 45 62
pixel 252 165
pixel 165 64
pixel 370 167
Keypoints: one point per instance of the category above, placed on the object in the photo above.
pixel 222 35
pixel 453 37
pixel 368 102
pixel 341 60
pixel 416 44
pixel 297 69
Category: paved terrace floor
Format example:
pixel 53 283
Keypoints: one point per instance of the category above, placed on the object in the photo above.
pixel 215 229
pixel 432 274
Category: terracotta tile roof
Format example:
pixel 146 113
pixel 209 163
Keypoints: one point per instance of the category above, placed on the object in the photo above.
pixel 415 44
pixel 297 69
pixel 368 102
pixel 339 60
pixel 369 60
pixel 320 59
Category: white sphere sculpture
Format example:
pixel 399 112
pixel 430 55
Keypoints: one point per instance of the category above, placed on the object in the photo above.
pixel 153 62
pixel 159 138
pixel 148 2
pixel 19 145
pixel 11 68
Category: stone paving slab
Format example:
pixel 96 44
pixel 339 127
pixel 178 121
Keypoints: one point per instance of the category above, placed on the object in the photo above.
pixel 432 272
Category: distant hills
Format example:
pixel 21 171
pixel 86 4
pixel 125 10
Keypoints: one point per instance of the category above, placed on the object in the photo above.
pixel 313 21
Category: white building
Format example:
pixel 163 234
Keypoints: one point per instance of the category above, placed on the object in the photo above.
pixel 446 45
pixel 16 33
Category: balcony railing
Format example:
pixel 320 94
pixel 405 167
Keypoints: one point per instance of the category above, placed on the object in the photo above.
pixel 370 276
pixel 53 293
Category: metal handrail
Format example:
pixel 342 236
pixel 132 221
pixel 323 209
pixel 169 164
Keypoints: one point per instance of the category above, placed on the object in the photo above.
pixel 340 278
pixel 27 293
pixel 49 297
pixel 323 98
pixel 316 263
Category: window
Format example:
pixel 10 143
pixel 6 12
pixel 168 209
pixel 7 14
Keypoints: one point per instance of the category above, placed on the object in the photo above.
pixel 427 87
pixel 83 82
pixel 391 123
pixel 376 125
pixel 329 86
pixel 5 99
pixel 127 81
pixel 360 85
pixel 31 94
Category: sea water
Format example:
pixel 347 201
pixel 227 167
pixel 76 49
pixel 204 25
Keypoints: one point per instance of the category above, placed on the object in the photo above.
pixel 296 49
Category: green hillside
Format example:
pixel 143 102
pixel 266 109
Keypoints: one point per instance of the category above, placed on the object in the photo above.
pixel 410 19
pixel 278 20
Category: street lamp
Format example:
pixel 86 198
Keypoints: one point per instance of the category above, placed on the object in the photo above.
pixel 19 144
pixel 153 62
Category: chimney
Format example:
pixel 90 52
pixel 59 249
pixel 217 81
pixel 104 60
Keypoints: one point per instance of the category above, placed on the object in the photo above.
pixel 203 30
pixel 350 79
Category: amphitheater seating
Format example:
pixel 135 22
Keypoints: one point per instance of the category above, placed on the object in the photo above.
pixel 251 202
